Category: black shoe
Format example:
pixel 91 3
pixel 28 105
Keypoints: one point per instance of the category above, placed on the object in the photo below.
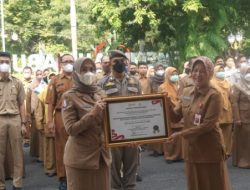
pixel 51 174
pixel 170 161
pixel 63 185
pixel 17 188
pixel 155 154
pixel 138 178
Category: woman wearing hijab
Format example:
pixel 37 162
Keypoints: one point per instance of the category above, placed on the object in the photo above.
pixel 204 153
pixel 157 79
pixel 241 110
pixel 154 83
pixel 86 159
pixel 36 136
pixel 172 152
pixel 225 118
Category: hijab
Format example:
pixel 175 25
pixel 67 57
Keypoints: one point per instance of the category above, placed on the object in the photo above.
pixel 209 67
pixel 222 86
pixel 77 84
pixel 157 79
pixel 168 86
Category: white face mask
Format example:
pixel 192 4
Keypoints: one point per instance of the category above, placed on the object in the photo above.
pixel 68 68
pixel 160 72
pixel 247 77
pixel 243 65
pixel 88 78
pixel 5 68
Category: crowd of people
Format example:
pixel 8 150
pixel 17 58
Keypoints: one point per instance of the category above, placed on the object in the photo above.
pixel 60 117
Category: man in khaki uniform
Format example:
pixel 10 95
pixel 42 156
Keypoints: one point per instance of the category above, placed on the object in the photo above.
pixel 12 117
pixel 27 79
pixel 142 70
pixel 124 158
pixel 57 86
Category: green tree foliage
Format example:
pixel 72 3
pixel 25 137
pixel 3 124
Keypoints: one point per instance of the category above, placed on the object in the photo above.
pixel 179 27
pixel 189 27
pixel 45 25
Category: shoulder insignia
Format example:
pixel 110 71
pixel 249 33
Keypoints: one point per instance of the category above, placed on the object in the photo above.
pixel 65 103
pixel 109 83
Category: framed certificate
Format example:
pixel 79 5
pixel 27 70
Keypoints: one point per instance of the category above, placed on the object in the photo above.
pixel 138 119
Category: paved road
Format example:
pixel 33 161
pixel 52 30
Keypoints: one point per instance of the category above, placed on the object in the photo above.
pixel 156 173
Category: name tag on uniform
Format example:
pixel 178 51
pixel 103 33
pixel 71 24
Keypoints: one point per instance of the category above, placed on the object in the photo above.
pixel 111 91
pixel 133 89
pixel 188 98
pixel 197 119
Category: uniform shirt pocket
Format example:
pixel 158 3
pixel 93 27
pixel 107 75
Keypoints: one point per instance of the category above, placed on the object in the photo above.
pixel 133 89
pixel 13 93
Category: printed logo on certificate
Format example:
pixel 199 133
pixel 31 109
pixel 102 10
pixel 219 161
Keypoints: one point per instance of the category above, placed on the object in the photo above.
pixel 141 119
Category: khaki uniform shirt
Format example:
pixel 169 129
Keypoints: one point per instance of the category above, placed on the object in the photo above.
pixel 26 84
pixel 128 86
pixel 85 145
pixel 145 85
pixel 58 85
pixel 203 143
pixel 184 82
pixel 240 105
pixel 12 96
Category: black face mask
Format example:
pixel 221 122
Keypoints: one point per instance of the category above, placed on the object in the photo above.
pixel 132 72
pixel 119 66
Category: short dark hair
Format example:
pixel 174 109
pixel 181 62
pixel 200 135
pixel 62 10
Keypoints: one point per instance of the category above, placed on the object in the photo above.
pixel 5 54
pixel 106 55
pixel 27 67
pixel 218 57
pixel 133 63
pixel 65 54
pixel 142 63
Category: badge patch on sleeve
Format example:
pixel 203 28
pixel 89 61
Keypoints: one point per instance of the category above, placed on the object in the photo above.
pixel 65 103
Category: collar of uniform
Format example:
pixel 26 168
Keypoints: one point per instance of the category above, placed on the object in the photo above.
pixel 9 77
pixel 62 75
pixel 142 77
pixel 202 91
pixel 126 76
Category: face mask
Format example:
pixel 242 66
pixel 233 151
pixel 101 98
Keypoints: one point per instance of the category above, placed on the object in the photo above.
pixel 174 78
pixel 68 68
pixel 160 73
pixel 119 67
pixel 220 75
pixel 132 72
pixel 247 77
pixel 5 68
pixel 99 71
pixel 88 78
pixel 243 65
pixel 26 76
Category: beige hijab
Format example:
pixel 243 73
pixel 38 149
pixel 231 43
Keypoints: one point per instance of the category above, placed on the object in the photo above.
pixel 222 86
pixel 77 84
pixel 168 86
